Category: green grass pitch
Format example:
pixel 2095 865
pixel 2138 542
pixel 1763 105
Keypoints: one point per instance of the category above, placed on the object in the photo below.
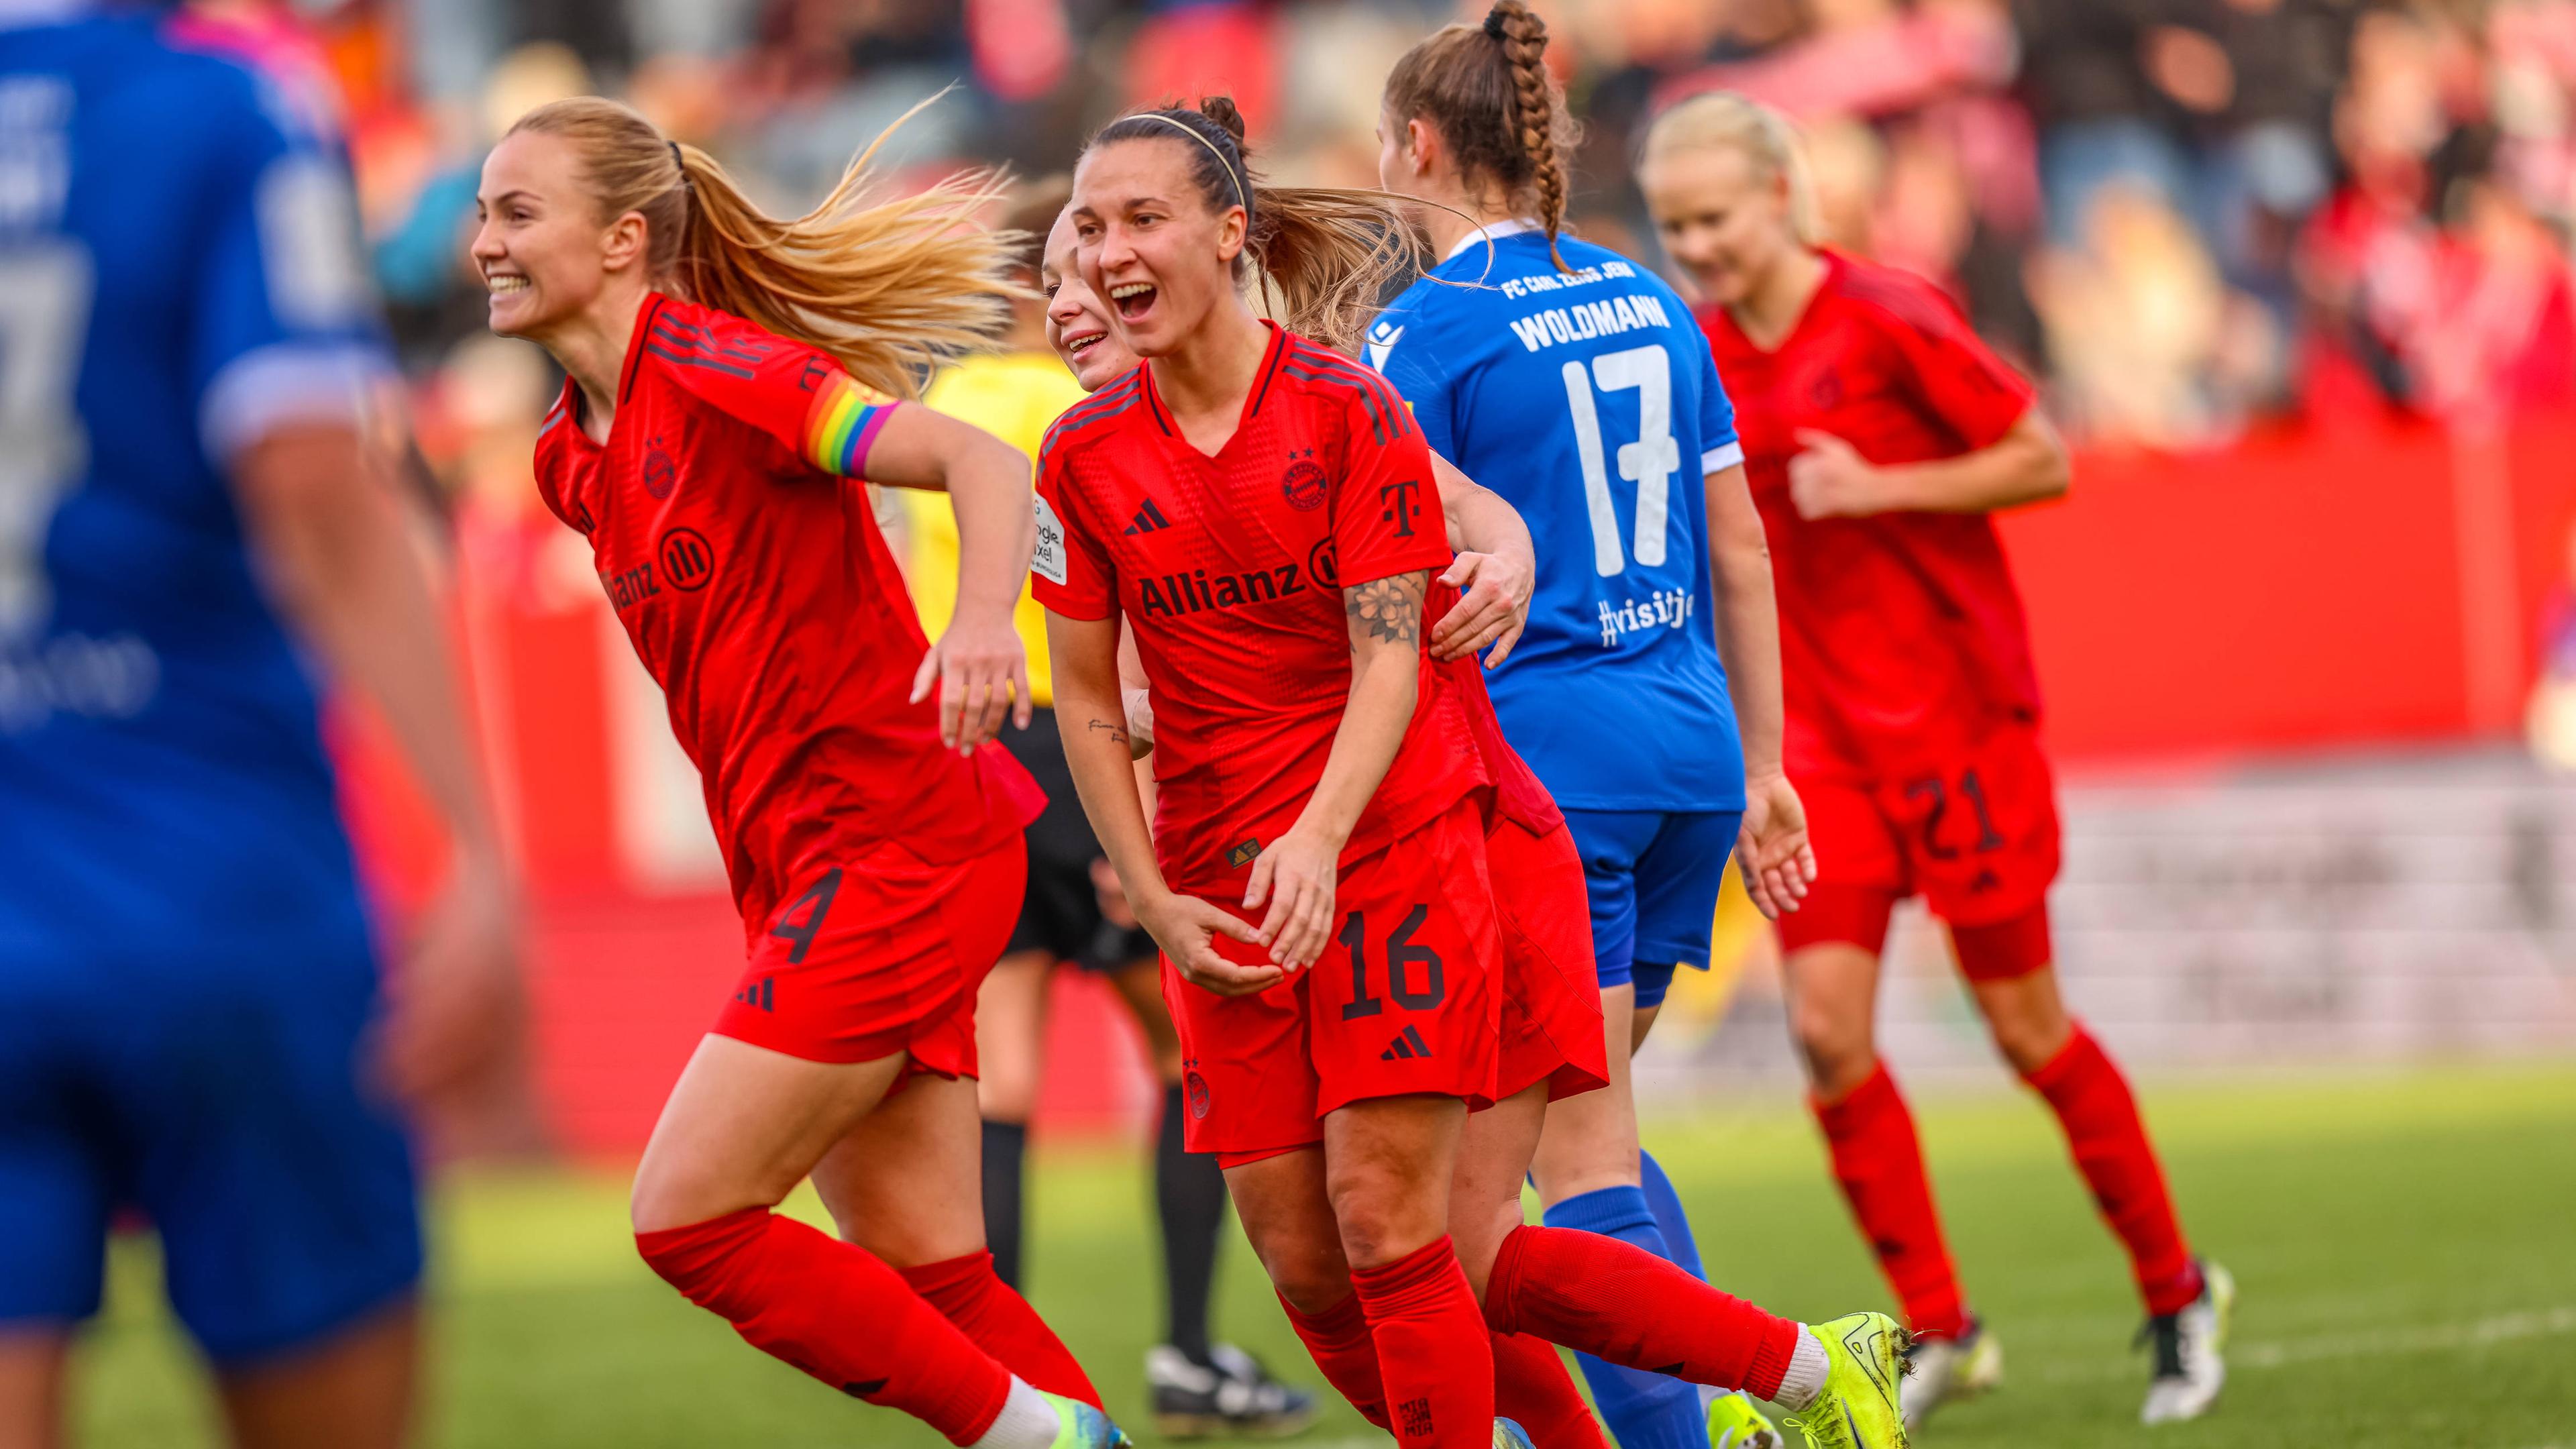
pixel 2406 1246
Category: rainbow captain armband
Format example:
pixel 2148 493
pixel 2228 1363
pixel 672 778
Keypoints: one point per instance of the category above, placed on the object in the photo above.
pixel 843 423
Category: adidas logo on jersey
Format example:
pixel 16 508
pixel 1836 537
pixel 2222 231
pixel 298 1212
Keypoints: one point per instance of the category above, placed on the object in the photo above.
pixel 758 994
pixel 1148 518
pixel 1407 1046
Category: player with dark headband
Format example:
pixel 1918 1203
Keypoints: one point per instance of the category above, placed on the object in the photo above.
pixel 1563 1287
pixel 1072 918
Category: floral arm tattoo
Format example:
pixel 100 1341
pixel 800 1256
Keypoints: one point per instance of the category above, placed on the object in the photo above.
pixel 1387 610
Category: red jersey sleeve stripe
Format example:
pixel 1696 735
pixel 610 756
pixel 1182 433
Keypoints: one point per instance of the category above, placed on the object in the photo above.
pixel 1089 413
pixel 1111 399
pixel 1368 400
pixel 697 342
pixel 667 353
pixel 1373 383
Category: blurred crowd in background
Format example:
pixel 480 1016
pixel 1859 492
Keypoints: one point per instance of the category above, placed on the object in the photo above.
pixel 2190 219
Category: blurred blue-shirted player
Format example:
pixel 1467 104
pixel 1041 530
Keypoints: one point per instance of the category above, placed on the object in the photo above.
pixel 187 978
pixel 1574 383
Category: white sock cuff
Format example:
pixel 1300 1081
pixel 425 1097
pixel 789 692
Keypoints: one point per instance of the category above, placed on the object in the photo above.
pixel 1806 1376
pixel 1028 1420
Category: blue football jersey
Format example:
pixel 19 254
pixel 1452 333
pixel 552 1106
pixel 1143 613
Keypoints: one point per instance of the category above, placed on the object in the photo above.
pixel 179 273
pixel 1590 401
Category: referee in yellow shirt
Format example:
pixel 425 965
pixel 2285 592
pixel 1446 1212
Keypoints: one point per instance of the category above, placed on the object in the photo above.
pixel 1199 1387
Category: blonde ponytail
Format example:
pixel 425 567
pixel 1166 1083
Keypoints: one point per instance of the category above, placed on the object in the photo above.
pixel 893 289
pixel 1723 120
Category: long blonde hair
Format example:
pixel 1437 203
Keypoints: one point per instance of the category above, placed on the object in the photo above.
pixel 893 288
pixel 1723 120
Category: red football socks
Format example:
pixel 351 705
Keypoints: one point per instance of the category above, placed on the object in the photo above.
pixel 2093 1103
pixel 1433 1352
pixel 1623 1305
pixel 1531 1385
pixel 1339 1342
pixel 1532 1388
pixel 971 1295
pixel 1879 1163
pixel 835 1311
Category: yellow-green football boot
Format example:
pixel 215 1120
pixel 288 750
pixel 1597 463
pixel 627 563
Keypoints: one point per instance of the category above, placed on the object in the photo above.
pixel 1734 1423
pixel 1859 1406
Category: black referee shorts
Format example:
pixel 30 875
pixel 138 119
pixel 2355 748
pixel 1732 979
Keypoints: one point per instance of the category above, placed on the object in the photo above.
pixel 1061 913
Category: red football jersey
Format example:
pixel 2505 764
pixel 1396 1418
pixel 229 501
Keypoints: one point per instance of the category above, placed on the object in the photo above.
pixel 747 568
pixel 1901 635
pixel 1518 795
pixel 1231 569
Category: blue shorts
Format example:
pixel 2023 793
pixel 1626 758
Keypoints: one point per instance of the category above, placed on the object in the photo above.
pixel 1653 877
pixel 215 1090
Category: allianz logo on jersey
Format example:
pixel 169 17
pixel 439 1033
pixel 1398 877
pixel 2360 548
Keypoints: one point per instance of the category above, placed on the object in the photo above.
pixel 1664 608
pixel 1177 594
pixel 1582 321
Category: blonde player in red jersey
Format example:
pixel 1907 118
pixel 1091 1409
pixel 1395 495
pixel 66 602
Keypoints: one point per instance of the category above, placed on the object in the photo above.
pixel 708 443
pixel 1323 255
pixel 1879 435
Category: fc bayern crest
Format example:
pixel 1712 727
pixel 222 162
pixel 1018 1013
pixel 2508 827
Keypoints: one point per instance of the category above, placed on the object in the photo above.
pixel 1304 485
pixel 661 475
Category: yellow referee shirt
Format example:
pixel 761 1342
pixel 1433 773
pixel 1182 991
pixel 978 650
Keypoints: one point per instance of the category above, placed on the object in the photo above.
pixel 1014 397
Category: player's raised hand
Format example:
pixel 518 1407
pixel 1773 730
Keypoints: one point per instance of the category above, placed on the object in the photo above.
pixel 1187 927
pixel 1493 607
pixel 1830 479
pixel 456 1000
pixel 1771 847
pixel 982 673
pixel 1297 876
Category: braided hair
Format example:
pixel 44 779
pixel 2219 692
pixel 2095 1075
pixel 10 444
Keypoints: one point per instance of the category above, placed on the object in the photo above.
pixel 1487 90
pixel 1321 258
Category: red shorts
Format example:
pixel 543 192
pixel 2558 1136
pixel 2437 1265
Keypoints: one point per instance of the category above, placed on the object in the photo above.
pixel 1551 1016
pixel 1977 839
pixel 1413 1009
pixel 878 954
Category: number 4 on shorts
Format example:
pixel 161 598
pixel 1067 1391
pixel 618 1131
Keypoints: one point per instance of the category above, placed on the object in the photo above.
pixel 788 928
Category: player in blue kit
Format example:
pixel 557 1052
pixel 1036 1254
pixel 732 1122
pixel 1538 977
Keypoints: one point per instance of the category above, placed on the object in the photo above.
pixel 188 991
pixel 1576 385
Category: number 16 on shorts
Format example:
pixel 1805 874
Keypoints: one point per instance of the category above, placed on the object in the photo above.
pixel 1405 1000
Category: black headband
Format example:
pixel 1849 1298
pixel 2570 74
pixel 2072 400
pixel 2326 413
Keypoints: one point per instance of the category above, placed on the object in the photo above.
pixel 683 165
pixel 1494 23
